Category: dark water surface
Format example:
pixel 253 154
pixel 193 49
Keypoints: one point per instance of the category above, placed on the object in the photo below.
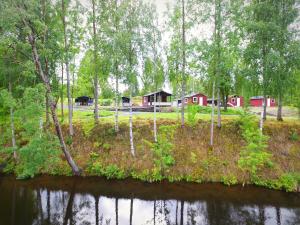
pixel 66 200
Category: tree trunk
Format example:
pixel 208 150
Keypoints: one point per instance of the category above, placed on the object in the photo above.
pixel 261 123
pixel 70 104
pixel 279 111
pixel 212 117
pixel 62 92
pixel 154 119
pixel 183 64
pixel 131 211
pixel 45 79
pixel 97 210
pixel 130 124
pixel 219 109
pixel 117 104
pixel 117 211
pixel 265 107
pixel 181 212
pixel 47 109
pixel 12 124
pixel 96 94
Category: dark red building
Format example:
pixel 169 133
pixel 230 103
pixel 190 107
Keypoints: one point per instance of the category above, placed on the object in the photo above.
pixel 196 99
pixel 258 101
pixel 235 101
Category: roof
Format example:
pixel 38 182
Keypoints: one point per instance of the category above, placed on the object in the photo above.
pixel 83 97
pixel 193 94
pixel 259 97
pixel 124 97
pixel 157 92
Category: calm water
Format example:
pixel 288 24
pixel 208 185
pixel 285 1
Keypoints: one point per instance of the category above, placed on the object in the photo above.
pixel 60 200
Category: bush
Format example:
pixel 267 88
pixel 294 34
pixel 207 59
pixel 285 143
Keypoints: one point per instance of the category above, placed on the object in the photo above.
pixel 40 154
pixel 105 102
pixel 192 112
pixel 162 149
pixel 253 156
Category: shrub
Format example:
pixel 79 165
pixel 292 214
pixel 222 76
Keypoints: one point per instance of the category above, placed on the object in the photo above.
pixel 192 112
pixel 40 154
pixel 229 180
pixel 162 149
pixel 253 156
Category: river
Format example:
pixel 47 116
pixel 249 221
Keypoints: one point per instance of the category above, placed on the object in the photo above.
pixel 69 200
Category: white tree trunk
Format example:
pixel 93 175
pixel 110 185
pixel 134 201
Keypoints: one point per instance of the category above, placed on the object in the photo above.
pixel 70 104
pixel 130 125
pixel 219 109
pixel 154 120
pixel 212 116
pixel 117 105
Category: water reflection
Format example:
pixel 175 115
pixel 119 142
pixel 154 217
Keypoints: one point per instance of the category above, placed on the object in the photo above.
pixel 76 201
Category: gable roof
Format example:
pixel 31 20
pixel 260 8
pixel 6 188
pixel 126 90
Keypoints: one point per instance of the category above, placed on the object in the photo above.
pixel 157 92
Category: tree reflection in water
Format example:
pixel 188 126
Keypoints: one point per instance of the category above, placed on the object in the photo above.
pixel 25 204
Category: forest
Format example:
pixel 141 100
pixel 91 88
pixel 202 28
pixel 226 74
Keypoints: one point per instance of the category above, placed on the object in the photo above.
pixel 54 51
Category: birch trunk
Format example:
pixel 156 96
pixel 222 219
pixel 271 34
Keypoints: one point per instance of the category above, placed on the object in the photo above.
pixel 62 92
pixel 47 109
pixel 117 105
pixel 212 117
pixel 265 108
pixel 12 124
pixel 219 109
pixel 154 120
pixel 45 79
pixel 261 123
pixel 130 125
pixel 183 64
pixel 279 111
pixel 70 104
pixel 96 94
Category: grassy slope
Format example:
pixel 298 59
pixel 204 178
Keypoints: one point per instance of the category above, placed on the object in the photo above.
pixel 195 160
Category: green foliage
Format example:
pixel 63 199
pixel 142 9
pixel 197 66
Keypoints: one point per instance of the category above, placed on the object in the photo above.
pixel 162 149
pixel 152 175
pixel 105 102
pixel 229 180
pixel 253 157
pixel 294 136
pixel 193 157
pixel 38 155
pixel 192 111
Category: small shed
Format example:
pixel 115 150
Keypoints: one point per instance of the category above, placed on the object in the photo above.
pixel 258 101
pixel 162 98
pixel 125 101
pixel 84 101
pixel 196 99
pixel 235 101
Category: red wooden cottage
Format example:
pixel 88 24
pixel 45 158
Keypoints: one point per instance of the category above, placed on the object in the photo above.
pixel 196 99
pixel 235 101
pixel 258 101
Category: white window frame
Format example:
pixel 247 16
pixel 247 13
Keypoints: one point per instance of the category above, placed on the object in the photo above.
pixel 186 100
pixel 195 99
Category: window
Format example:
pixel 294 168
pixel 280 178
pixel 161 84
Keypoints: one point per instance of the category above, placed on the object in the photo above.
pixel 185 100
pixel 195 99
pixel 233 100
pixel 272 100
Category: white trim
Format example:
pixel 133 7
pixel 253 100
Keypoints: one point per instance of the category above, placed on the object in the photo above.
pixel 238 102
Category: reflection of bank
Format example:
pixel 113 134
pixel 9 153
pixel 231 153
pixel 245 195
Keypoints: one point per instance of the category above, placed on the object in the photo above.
pixel 59 200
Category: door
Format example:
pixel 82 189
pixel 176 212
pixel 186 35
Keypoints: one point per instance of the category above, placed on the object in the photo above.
pixel 201 101
pixel 238 102
pixel 269 102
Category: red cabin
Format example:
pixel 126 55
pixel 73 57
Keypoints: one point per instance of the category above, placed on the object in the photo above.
pixel 258 101
pixel 235 101
pixel 196 99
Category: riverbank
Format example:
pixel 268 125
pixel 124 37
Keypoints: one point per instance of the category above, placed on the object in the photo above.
pixel 100 151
